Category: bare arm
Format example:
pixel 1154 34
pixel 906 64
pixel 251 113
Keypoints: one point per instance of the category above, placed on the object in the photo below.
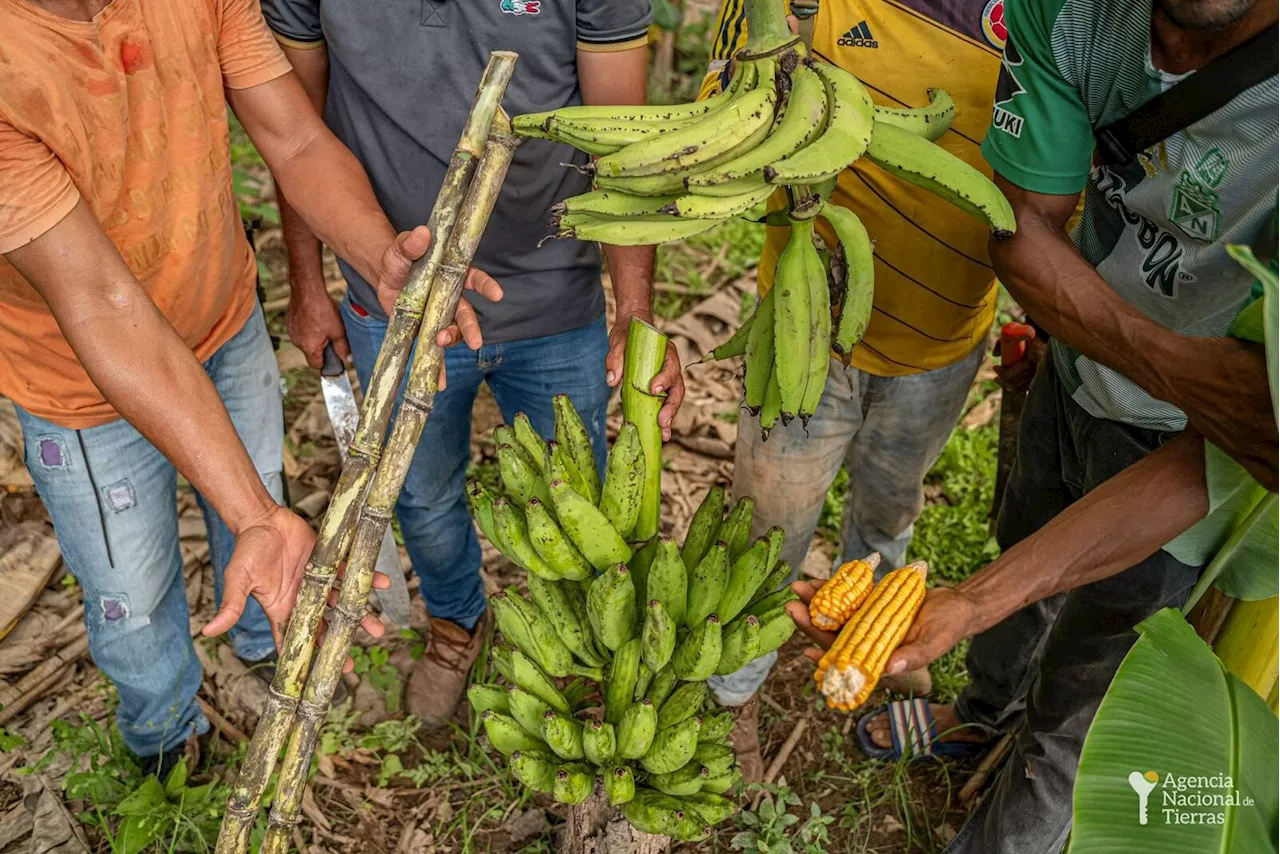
pixel 1121 523
pixel 329 190
pixel 312 319
pixel 616 78
pixel 160 388
pixel 1221 383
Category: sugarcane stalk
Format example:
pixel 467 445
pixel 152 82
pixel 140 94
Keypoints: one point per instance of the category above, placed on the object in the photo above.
pixel 387 482
pixel 363 458
pixel 646 351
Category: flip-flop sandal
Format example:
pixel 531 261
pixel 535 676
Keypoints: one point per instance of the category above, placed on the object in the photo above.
pixel 914 733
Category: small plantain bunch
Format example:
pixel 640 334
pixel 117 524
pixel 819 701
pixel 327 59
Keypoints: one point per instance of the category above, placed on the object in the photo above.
pixel 605 661
pixel 670 172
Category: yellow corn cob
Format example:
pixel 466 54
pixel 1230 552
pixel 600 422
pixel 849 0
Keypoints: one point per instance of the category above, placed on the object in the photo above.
pixel 850 670
pixel 838 599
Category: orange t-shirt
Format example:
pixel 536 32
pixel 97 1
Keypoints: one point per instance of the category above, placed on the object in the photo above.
pixel 127 112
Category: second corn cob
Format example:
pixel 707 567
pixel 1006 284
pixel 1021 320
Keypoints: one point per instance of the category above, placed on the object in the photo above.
pixel 838 599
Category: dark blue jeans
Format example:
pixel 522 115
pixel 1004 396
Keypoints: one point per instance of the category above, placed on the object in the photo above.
pixel 523 375
pixel 1042 672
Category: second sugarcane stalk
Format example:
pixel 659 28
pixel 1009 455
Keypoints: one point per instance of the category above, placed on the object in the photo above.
pixel 467 195
pixel 419 396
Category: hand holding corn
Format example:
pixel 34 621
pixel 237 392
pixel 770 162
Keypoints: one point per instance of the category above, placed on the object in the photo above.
pixel 873 623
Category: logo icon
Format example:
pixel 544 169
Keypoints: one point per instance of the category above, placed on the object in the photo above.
pixel 1194 206
pixel 859 36
pixel 1143 784
pixel 993 25
pixel 521 7
pixel 1007 88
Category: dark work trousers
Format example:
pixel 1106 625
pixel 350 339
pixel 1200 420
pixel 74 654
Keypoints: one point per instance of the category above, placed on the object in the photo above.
pixel 1042 672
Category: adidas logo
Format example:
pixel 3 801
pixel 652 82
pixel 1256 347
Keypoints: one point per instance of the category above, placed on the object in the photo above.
pixel 859 36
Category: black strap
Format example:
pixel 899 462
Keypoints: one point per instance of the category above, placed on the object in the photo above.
pixel 1245 65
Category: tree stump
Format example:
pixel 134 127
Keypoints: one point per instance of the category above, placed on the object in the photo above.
pixel 595 827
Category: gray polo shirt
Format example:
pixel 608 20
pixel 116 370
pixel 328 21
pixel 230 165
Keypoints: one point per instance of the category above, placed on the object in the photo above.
pixel 402 74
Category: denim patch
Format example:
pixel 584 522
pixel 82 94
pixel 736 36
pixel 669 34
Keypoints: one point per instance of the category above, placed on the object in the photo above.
pixel 53 453
pixel 119 495
pixel 115 608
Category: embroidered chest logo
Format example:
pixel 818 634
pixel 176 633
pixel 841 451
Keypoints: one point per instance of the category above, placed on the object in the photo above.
pixel 1194 206
pixel 859 36
pixel 993 25
pixel 521 7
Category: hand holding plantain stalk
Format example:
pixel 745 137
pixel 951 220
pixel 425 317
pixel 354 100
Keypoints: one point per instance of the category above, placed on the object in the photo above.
pixel 426 278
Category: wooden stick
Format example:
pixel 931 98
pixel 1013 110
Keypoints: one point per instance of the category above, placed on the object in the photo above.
pixel 32 686
pixel 224 726
pixel 784 753
pixel 989 762
pixel 366 450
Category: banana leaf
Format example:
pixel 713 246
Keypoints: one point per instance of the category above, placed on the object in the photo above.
pixel 1240 533
pixel 1243 526
pixel 1174 713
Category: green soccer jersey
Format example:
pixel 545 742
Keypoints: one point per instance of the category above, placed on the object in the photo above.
pixel 1157 229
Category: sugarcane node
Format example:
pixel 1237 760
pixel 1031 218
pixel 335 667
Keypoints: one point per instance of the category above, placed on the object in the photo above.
pixel 283 699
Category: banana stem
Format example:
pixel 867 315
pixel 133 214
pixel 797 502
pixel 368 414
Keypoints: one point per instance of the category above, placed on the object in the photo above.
pixel 365 452
pixel 646 351
pixel 419 397
pixel 766 26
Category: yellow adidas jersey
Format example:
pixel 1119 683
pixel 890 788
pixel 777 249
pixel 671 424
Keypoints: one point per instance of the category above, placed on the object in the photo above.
pixel 935 289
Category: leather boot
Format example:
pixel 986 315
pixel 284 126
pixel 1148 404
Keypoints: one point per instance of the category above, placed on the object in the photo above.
pixel 746 741
pixel 439 678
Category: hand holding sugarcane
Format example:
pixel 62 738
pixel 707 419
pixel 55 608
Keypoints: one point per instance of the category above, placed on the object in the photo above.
pixel 397 261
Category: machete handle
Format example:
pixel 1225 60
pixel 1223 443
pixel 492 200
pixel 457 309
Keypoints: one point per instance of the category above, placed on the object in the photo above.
pixel 1013 342
pixel 333 366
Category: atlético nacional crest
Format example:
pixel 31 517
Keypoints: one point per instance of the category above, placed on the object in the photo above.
pixel 521 7
pixel 1194 206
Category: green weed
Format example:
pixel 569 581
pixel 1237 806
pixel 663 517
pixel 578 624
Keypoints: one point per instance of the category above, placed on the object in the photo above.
pixel 771 828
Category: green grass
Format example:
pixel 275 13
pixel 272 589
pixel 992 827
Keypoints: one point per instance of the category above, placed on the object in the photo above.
pixel 954 536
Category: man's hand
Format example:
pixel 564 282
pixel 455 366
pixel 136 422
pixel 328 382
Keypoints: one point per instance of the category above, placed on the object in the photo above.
pixel 267 564
pixel 1018 376
pixel 313 321
pixel 408 247
pixel 947 617
pixel 1227 397
pixel 668 380
pixel 271 553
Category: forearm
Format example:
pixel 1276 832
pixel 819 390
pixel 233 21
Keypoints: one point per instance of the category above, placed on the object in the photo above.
pixel 1117 525
pixel 154 381
pixel 631 274
pixel 1064 294
pixel 323 182
pixel 340 210
pixel 306 268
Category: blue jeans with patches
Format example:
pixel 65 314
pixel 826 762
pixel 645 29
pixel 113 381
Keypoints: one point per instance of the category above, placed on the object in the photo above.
pixel 524 376
pixel 887 431
pixel 113 500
